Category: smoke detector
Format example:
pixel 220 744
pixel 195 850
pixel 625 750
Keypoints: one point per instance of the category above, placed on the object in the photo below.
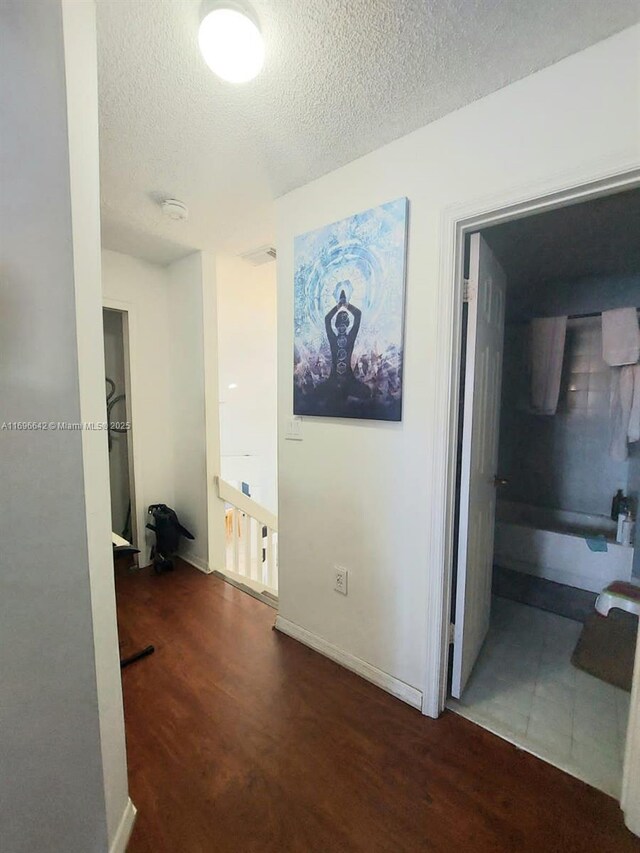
pixel 174 209
pixel 263 255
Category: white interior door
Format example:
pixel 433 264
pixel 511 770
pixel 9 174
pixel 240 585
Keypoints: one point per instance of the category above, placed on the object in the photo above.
pixel 481 421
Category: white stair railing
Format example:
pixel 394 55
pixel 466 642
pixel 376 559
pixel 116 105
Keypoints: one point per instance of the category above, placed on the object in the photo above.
pixel 251 539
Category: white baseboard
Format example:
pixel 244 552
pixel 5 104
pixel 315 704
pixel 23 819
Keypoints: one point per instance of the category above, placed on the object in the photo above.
pixel 196 562
pixel 411 695
pixel 123 833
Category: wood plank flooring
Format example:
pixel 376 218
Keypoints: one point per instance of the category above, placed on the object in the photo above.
pixel 241 740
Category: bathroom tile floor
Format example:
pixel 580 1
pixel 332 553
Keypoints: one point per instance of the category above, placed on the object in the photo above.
pixel 524 688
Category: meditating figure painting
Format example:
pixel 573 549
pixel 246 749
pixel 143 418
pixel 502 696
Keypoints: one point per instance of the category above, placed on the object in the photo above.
pixel 349 316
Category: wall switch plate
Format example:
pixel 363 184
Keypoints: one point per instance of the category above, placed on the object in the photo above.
pixel 293 429
pixel 340 579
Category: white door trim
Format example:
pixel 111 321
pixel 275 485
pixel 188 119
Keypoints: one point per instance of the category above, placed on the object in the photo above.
pixel 130 338
pixel 602 178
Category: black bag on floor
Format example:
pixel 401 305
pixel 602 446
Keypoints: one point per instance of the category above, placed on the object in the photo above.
pixel 166 525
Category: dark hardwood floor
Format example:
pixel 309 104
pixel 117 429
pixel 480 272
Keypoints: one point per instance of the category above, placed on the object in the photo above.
pixel 241 739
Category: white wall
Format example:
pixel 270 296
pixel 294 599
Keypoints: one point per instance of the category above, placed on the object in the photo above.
pixel 142 289
pixel 247 342
pixel 192 302
pixel 173 335
pixel 82 123
pixel 360 494
pixel 188 401
pixel 62 721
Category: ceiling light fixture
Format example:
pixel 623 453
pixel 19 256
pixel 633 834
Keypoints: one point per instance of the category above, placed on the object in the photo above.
pixel 230 41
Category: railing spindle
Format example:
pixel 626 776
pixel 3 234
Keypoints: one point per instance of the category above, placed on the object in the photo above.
pixel 269 562
pixel 249 554
pixel 274 574
pixel 246 545
pixel 235 536
pixel 258 550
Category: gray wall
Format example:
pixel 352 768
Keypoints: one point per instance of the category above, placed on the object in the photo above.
pixel 52 774
pixel 563 461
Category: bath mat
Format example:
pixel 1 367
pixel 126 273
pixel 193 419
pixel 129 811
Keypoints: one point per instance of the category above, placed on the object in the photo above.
pixel 606 647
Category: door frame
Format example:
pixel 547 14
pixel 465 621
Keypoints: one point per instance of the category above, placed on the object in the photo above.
pixel 455 223
pixel 129 339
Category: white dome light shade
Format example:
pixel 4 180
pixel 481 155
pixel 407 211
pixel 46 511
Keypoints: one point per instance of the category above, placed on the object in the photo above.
pixel 231 44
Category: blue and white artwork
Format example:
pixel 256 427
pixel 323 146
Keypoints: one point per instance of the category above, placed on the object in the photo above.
pixel 349 316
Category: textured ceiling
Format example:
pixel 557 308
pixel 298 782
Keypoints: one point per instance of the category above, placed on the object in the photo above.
pixel 341 78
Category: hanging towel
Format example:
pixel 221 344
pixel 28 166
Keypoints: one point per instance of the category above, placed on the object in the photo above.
pixel 547 352
pixel 622 394
pixel 620 336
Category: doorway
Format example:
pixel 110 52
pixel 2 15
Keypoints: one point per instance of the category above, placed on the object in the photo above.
pixel 535 538
pixel 117 393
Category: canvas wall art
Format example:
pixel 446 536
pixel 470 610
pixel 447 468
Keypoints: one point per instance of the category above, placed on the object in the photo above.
pixel 349 316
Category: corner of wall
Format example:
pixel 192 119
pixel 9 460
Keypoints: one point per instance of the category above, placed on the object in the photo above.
pixel 192 295
pixel 80 57
pixel 215 507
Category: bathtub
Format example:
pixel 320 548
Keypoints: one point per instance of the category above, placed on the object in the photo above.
pixel 551 544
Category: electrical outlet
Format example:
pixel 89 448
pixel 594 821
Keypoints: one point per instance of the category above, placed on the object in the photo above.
pixel 340 578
